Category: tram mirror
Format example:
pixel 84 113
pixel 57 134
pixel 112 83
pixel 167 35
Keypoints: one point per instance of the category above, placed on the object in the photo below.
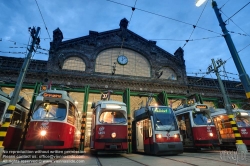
pixel 93 105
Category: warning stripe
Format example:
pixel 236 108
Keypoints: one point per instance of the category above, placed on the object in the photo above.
pixel 6 123
pixel 83 128
pixel 129 130
pixel 237 135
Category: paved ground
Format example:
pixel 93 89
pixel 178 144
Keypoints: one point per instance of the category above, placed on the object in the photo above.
pixel 201 158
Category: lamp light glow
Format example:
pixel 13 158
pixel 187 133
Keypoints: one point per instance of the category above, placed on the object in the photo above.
pixel 199 2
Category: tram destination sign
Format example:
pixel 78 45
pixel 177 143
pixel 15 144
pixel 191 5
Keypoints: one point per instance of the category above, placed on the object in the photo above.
pixel 201 106
pixel 162 110
pixel 52 95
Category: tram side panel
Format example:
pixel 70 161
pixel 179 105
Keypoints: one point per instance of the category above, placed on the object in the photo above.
pixel 196 127
pixel 224 127
pixel 14 132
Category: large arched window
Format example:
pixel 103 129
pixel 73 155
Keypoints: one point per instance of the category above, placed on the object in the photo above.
pixel 74 63
pixel 167 73
pixel 137 64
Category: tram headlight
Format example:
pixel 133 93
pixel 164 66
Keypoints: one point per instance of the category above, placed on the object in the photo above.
pixel 113 135
pixel 43 132
pixel 158 135
pixel 176 136
pixel 211 134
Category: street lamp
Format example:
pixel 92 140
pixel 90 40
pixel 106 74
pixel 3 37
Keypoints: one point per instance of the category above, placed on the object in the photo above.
pixel 242 73
pixel 199 2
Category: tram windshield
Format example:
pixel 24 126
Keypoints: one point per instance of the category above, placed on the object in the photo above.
pixel 112 117
pixel 201 118
pixel 164 119
pixel 243 121
pixel 54 111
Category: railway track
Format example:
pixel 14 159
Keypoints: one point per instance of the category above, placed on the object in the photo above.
pixel 117 160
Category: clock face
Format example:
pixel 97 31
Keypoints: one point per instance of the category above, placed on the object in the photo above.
pixel 122 60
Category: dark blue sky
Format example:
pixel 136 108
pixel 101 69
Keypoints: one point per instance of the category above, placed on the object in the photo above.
pixel 170 25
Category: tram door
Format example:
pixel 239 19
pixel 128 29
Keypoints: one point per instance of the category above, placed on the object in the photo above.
pixel 185 129
pixel 139 136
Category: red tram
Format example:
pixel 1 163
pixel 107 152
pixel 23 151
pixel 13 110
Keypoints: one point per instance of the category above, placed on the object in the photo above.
pixel 224 127
pixel 109 127
pixel 196 126
pixel 155 131
pixel 55 122
pixel 14 132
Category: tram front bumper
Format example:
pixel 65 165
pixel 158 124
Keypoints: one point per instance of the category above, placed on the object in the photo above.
pixel 168 148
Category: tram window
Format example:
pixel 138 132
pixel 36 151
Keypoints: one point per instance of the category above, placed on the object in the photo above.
pixel 201 118
pixel 165 121
pixel 71 114
pixel 18 118
pixel 112 117
pixel 243 121
pixel 55 111
pixel 2 107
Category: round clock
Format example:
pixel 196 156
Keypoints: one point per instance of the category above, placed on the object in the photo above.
pixel 122 60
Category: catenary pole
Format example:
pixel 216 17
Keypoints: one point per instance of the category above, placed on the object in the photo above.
pixel 15 96
pixel 241 147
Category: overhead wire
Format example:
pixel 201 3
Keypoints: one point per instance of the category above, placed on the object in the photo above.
pixel 204 38
pixel 238 11
pixel 224 4
pixel 194 26
pixel 43 19
pixel 163 16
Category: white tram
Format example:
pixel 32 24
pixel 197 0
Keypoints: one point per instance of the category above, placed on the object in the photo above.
pixel 155 131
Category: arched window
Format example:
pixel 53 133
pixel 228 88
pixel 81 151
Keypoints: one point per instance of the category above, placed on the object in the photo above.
pixel 137 64
pixel 167 73
pixel 74 63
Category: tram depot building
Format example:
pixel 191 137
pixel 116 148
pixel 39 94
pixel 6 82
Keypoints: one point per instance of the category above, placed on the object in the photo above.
pixel 118 60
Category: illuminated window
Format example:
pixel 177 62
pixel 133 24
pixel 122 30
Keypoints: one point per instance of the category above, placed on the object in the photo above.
pixel 137 64
pixel 167 73
pixel 74 63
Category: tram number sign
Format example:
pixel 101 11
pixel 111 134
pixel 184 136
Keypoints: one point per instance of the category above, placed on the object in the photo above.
pixel 105 96
pixel 201 106
pixel 52 95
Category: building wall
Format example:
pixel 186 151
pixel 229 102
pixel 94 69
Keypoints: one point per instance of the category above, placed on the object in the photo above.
pixel 88 48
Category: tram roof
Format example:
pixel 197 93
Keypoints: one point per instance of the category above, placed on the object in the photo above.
pixel 185 108
pixel 110 102
pixel 65 94
pixel 222 111
pixel 21 100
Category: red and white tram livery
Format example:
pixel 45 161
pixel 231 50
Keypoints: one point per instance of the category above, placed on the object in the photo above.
pixel 196 126
pixel 15 129
pixel 109 127
pixel 55 122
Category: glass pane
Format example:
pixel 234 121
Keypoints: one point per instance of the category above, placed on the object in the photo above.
pixel 74 63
